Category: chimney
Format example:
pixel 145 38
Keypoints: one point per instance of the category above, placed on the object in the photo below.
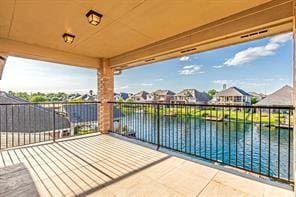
pixel 224 86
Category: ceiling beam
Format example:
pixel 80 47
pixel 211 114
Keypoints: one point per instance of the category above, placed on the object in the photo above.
pixel 275 17
pixel 20 49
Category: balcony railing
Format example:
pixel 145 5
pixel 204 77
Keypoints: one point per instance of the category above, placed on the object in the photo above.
pixel 28 123
pixel 258 139
pixel 255 139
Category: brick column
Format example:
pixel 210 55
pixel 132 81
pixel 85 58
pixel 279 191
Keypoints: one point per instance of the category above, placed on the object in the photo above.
pixel 105 77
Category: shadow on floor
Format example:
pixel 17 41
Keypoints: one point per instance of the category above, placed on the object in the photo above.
pixel 81 166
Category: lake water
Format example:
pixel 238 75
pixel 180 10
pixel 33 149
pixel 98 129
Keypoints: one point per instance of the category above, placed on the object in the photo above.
pixel 262 150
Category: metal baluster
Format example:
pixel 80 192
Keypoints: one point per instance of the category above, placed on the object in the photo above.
pixel 244 139
pixel 6 127
pixel 205 143
pixel 194 109
pixel 236 135
pixel 289 144
pixel 223 134
pixel 158 127
pixel 211 132
pixel 260 137
pixel 216 132
pixel 279 142
pixel 252 133
pixel 200 130
pixel 229 136
pixel 269 123
pixel 53 122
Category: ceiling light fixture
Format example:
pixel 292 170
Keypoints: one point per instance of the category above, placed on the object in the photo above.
pixel 117 71
pixel 68 38
pixel 93 17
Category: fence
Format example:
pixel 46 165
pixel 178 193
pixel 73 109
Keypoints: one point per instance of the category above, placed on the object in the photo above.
pixel 28 123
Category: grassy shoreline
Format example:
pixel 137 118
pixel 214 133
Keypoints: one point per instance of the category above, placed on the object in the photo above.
pixel 230 115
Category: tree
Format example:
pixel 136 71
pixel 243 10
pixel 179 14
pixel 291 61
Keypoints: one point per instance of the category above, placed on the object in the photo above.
pixel 91 92
pixel 22 95
pixel 120 100
pixel 212 93
pixel 55 99
pixel 129 100
pixel 38 98
pixel 254 100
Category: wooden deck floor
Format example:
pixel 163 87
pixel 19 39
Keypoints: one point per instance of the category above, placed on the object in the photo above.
pixel 102 165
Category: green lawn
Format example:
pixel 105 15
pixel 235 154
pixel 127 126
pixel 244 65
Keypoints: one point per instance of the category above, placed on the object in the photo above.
pixel 233 115
pixel 82 129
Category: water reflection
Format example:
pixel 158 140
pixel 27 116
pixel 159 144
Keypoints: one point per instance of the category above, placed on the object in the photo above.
pixel 262 149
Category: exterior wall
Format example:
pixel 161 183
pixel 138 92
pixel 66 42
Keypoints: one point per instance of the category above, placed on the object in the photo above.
pixel 150 98
pixel 184 100
pixel 138 99
pixel 105 94
pixel 160 98
pixel 234 100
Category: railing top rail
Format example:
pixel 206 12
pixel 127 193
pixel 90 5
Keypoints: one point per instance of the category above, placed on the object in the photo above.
pixel 50 103
pixel 289 107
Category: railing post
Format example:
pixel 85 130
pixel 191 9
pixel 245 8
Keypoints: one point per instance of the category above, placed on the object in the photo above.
pixel 158 127
pixel 53 121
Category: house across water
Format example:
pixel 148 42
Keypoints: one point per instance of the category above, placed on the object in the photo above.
pixel 233 96
pixel 161 96
pixel 191 96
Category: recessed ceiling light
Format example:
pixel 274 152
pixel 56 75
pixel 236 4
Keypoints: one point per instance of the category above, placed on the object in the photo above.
pixel 68 38
pixel 93 17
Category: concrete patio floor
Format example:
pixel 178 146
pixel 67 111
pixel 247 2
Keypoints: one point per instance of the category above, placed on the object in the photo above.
pixel 103 165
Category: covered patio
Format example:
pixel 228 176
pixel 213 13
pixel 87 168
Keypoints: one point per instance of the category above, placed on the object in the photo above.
pixel 122 35
pixel 104 165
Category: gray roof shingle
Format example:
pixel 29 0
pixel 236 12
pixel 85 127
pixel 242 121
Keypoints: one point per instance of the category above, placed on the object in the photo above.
pixel 281 97
pixel 86 112
pixel 21 116
pixel 233 91
pixel 199 96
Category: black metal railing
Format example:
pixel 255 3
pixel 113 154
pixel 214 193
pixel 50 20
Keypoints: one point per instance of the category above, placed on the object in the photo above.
pixel 28 123
pixel 257 139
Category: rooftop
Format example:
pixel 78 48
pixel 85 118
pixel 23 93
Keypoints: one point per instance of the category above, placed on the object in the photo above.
pixel 88 166
pixel 283 96
pixel 233 91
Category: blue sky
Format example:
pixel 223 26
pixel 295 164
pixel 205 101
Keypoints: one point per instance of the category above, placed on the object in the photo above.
pixel 262 66
pixel 32 76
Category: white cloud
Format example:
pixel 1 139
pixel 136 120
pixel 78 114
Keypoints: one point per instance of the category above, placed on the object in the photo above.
pixel 122 88
pixel 282 38
pixel 191 67
pixel 191 70
pixel 218 66
pixel 253 53
pixel 184 58
pixel 224 81
pixel 146 84
pixel 241 84
pixel 160 79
